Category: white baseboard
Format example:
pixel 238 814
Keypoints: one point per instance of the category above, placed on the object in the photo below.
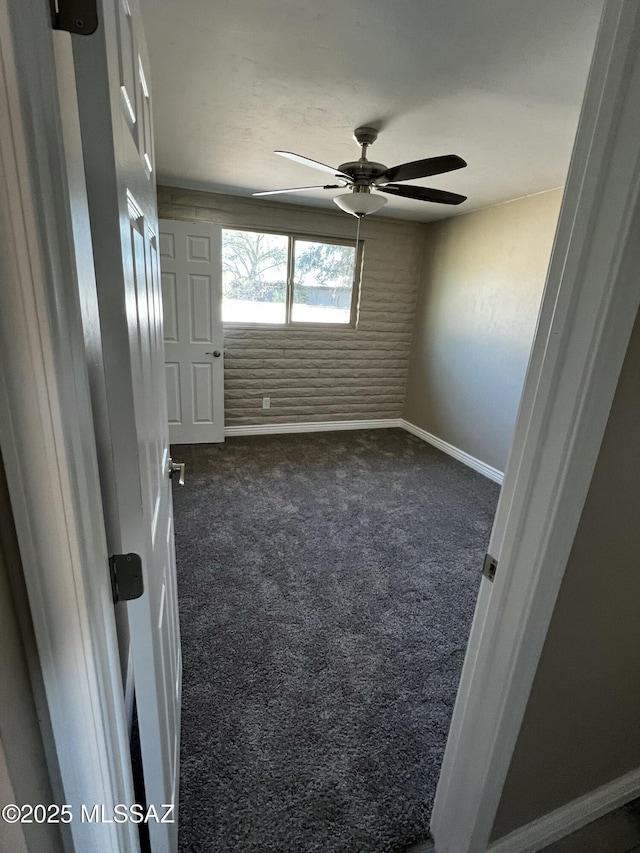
pixel 552 827
pixel 317 426
pixel 374 423
pixel 460 455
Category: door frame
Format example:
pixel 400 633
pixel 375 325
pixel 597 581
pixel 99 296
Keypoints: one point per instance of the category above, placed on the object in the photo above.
pixel 46 434
pixel 588 309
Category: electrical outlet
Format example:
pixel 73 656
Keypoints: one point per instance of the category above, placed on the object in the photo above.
pixel 266 402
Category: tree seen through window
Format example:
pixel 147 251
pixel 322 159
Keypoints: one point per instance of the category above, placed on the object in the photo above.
pixel 274 278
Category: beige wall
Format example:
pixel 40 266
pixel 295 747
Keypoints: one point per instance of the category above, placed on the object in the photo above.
pixel 319 374
pixel 581 727
pixel 479 297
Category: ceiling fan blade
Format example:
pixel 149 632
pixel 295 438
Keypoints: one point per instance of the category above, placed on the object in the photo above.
pixel 306 161
pixel 301 189
pixel 423 194
pixel 424 168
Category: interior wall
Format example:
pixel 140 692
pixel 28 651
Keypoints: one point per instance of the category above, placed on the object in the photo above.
pixel 319 374
pixel 580 728
pixel 479 297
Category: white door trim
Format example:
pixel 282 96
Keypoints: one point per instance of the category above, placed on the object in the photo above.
pixel 589 306
pixel 46 434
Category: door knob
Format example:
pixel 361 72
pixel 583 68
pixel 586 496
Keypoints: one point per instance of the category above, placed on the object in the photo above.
pixel 216 353
pixel 176 468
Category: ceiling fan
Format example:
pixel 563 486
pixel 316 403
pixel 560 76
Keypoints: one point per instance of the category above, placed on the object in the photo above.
pixel 362 176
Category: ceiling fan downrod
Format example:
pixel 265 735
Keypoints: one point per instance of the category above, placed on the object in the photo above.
pixel 365 136
pixel 363 172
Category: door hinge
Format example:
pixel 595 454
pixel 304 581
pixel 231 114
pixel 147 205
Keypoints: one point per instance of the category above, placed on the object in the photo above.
pixel 75 16
pixel 489 567
pixel 126 577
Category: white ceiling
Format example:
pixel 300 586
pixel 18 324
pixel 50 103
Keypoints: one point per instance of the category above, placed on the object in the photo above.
pixel 498 82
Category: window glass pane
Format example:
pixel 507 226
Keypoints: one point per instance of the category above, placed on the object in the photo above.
pixel 323 282
pixel 254 277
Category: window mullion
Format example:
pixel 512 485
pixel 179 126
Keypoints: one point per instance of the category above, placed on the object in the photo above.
pixel 290 274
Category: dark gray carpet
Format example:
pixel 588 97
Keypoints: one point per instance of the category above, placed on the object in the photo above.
pixel 327 583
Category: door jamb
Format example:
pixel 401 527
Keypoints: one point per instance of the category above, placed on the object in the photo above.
pixel 47 437
pixel 588 310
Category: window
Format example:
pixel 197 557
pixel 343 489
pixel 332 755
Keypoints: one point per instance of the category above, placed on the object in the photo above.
pixel 284 279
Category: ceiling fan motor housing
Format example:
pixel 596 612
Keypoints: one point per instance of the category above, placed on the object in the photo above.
pixel 364 172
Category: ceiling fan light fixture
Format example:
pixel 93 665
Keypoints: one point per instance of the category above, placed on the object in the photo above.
pixel 360 204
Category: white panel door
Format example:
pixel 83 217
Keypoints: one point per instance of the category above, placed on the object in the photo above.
pixel 115 114
pixel 190 259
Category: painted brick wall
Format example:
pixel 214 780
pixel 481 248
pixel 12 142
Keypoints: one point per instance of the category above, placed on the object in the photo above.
pixel 319 374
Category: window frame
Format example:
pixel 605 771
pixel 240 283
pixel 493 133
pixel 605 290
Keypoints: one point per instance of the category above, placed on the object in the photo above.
pixel 292 236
